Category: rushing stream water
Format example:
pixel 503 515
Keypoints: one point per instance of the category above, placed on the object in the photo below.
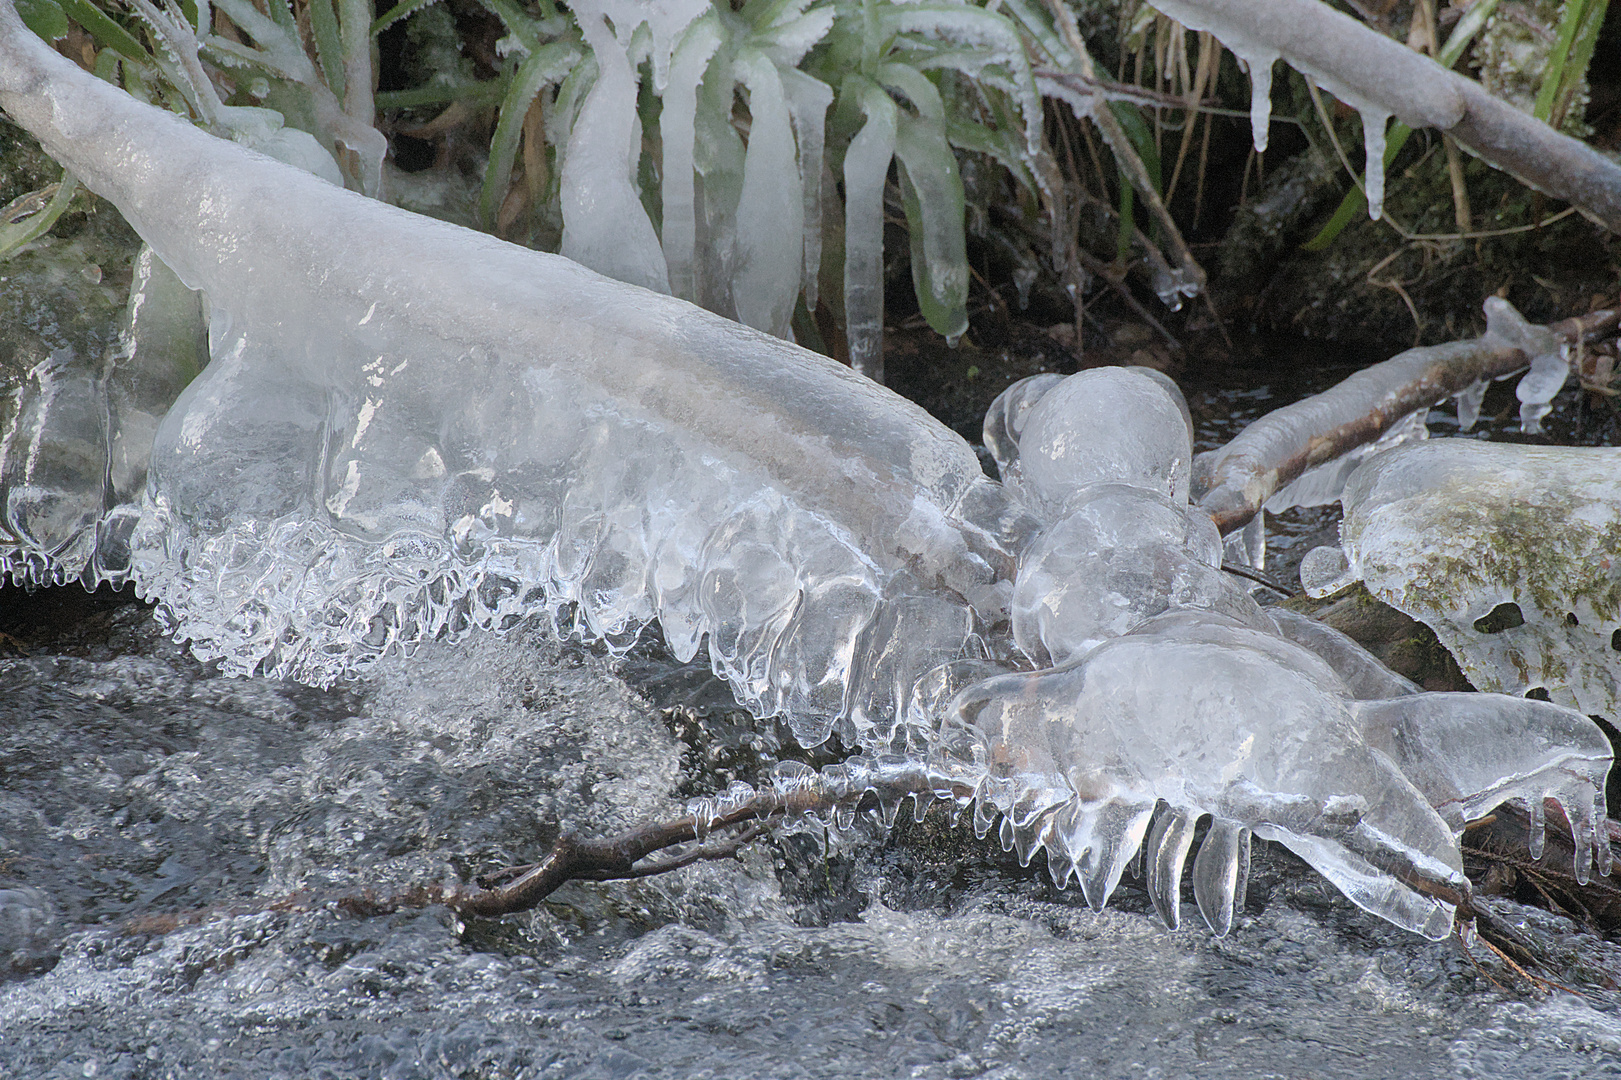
pixel 139 784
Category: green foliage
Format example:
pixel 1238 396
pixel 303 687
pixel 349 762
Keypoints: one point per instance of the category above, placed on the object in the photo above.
pixel 44 17
pixel 736 89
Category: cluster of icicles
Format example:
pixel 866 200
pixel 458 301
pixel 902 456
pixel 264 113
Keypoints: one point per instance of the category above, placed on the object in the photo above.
pixel 407 430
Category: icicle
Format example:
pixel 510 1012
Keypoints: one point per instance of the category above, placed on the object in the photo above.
pixel 1174 286
pixel 808 102
pixel 1374 122
pixel 1537 388
pixel 1259 61
pixel 677 133
pixel 604 224
pixel 1468 402
pixel 984 818
pixel 770 211
pixel 1024 276
pixel 1538 835
pixel 935 202
pixel 866 168
pixel 665 20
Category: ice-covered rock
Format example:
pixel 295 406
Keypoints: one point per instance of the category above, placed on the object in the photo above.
pixel 1507 552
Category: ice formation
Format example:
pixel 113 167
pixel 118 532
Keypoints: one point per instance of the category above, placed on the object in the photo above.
pixel 1507 552
pixel 407 429
pixel 1385 405
pixel 76 435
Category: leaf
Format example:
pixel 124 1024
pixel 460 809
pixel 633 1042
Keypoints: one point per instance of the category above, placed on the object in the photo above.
pixel 403 9
pixel 107 33
pixel 934 219
pixel 44 17
pixel 328 44
pixel 540 69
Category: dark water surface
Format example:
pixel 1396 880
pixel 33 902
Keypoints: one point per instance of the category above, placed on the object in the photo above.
pixel 144 784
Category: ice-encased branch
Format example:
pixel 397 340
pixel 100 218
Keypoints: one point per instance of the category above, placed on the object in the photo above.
pixel 1353 60
pixel 1237 479
pixel 384 438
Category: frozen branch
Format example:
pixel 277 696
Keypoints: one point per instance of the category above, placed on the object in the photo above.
pixel 1265 457
pixel 1364 68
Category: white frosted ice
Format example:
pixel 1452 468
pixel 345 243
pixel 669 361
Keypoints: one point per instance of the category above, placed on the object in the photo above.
pixel 1234 475
pixel 1539 386
pixel 1256 56
pixel 1374 122
pixel 1259 61
pixel 677 132
pixel 1507 552
pixel 605 226
pixel 1322 485
pixel 1468 402
pixel 866 170
pixel 808 102
pixel 665 20
pixel 766 282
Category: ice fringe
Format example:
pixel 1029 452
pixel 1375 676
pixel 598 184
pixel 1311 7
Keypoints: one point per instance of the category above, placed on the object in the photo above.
pixel 1380 77
pixel 381 452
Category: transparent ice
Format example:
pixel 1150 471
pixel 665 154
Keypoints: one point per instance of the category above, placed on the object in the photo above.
pixel 385 450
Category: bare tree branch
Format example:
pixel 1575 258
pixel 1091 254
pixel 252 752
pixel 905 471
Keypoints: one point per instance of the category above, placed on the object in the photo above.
pixel 1265 457
pixel 1350 58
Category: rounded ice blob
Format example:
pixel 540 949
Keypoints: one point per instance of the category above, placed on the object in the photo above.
pixel 1121 557
pixel 1106 425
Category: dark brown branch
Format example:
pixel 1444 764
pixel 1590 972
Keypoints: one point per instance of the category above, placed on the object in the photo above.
pixel 1275 450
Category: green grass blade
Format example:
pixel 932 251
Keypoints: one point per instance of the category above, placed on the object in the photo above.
pixel 32 227
pixel 107 33
pixel 328 44
pixel 402 10
pixel 541 68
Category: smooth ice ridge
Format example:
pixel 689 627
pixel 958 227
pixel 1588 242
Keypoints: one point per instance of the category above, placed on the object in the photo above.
pixel 1507 552
pixel 407 428
pixel 382 449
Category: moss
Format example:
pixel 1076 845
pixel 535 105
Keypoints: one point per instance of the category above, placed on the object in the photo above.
pixel 1497 546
